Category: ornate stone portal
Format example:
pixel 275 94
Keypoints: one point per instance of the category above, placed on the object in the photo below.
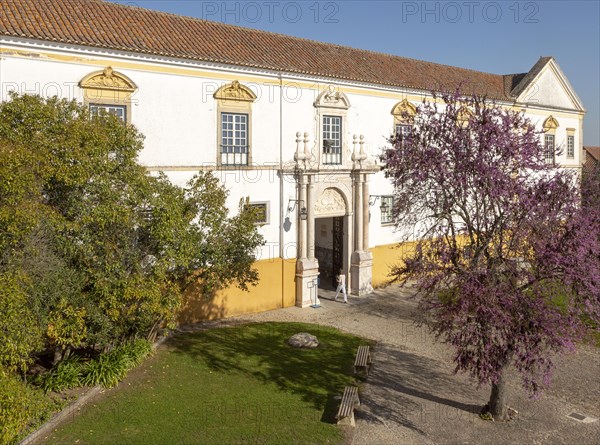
pixel 319 200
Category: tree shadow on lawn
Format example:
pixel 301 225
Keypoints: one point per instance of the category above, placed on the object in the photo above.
pixel 261 350
pixel 320 375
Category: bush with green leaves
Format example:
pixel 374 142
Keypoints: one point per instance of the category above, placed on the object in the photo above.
pixel 109 369
pixel 21 407
pixel 102 249
pixel 137 350
pixel 20 335
pixel 65 375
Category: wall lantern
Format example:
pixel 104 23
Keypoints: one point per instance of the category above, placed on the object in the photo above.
pixel 303 212
pixel 384 206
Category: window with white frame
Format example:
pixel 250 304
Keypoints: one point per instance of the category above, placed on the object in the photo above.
pixel 549 148
pixel 332 140
pixel 234 139
pixel 117 110
pixel 570 146
pixel 108 92
pixel 403 129
pixel 387 207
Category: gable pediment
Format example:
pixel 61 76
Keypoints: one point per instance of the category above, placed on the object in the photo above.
pixel 551 88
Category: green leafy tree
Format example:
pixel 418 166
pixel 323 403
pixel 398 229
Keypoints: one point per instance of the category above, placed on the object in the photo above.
pixel 104 249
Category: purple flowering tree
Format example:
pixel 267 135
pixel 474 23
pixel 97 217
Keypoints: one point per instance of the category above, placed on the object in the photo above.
pixel 506 263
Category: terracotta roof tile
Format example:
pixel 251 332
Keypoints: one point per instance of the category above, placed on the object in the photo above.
pixel 593 152
pixel 110 25
pixel 592 159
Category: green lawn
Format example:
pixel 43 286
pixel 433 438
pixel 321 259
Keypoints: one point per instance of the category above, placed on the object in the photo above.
pixel 229 385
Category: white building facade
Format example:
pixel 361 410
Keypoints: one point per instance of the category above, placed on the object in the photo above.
pixel 300 144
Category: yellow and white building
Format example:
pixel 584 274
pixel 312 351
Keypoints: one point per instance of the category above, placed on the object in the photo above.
pixel 292 125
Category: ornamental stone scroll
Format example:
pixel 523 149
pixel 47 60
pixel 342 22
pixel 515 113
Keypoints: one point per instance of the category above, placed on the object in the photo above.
pixel 330 203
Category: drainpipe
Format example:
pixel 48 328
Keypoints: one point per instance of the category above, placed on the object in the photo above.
pixel 281 200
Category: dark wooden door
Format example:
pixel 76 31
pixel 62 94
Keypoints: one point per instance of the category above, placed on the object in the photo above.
pixel 338 248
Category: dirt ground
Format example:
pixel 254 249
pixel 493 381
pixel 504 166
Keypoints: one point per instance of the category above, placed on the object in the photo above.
pixel 412 395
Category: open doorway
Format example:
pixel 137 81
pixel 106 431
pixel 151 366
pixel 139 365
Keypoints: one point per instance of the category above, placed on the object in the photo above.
pixel 329 249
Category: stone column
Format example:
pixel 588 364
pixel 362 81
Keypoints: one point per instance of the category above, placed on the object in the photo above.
pixel 358 211
pixel 307 267
pixel 362 261
pixel 365 214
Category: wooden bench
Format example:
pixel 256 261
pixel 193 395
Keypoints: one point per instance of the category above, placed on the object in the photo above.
pixel 350 400
pixel 363 360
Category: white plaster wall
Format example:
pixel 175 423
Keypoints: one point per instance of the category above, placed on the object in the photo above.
pixel 178 116
pixel 372 117
pixel 36 75
pixel 299 115
pixel 381 234
pixel 290 226
pixel 178 121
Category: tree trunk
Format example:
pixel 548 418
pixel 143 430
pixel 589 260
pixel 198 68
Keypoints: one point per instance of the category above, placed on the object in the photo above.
pixel 58 355
pixel 497 406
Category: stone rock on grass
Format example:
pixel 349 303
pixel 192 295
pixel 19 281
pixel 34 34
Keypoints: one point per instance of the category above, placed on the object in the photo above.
pixel 303 340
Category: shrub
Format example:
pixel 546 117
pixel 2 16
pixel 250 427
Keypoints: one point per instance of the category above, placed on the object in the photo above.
pixel 21 407
pixel 107 370
pixel 110 368
pixel 20 335
pixel 67 374
pixel 137 350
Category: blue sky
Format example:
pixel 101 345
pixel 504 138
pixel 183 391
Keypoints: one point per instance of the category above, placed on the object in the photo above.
pixel 493 36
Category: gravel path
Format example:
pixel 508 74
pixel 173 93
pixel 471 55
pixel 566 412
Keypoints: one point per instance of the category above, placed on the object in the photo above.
pixel 413 397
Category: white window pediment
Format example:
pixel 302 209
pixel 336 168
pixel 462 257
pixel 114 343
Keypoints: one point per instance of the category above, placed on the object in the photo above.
pixel 235 91
pixel 108 79
pixel 332 98
pixel 404 111
pixel 550 124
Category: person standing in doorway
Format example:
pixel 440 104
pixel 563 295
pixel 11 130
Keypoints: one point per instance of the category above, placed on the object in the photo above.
pixel 341 281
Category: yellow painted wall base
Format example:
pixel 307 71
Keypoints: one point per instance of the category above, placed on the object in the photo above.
pixel 385 257
pixel 275 289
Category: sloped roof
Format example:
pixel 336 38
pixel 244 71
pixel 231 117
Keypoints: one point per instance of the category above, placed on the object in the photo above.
pixel 103 24
pixel 592 158
pixel 523 80
pixel 594 152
